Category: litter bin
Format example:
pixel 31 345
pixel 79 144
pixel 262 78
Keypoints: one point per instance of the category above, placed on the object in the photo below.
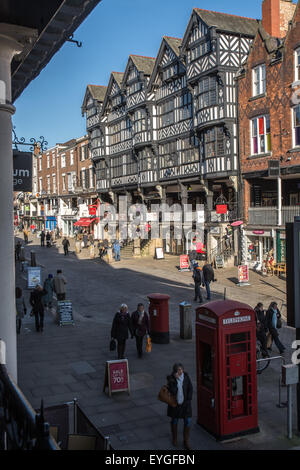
pixel 159 318
pixel 185 310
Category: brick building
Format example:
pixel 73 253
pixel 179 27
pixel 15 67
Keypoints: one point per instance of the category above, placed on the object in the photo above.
pixel 269 130
pixel 63 187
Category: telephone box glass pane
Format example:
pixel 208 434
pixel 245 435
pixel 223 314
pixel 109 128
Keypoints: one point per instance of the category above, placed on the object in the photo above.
pixel 207 369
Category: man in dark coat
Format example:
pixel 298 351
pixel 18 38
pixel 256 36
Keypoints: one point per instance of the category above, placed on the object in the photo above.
pixel 140 326
pixel 198 280
pixel 38 306
pixel 209 276
pixel 119 330
pixel 42 238
pixel 66 245
pixel 180 386
pixel 261 328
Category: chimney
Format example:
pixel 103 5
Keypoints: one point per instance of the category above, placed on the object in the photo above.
pixel 276 15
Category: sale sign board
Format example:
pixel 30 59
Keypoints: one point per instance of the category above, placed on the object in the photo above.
pixel 184 262
pixel 117 376
pixel 243 275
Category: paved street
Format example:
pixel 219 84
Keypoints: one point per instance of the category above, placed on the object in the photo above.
pixel 67 362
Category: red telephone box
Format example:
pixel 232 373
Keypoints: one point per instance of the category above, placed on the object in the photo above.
pixel 159 318
pixel 226 368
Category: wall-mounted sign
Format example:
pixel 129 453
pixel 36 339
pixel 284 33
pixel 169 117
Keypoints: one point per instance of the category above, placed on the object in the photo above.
pixel 22 174
pixel 258 232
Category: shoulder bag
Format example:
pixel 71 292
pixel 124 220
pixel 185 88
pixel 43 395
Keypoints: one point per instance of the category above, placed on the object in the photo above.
pixel 166 397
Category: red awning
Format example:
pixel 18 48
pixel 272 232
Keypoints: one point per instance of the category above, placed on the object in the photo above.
pixel 84 222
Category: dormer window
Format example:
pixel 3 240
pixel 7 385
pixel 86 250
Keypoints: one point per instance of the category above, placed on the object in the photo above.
pixel 259 80
pixel 199 50
pixel 170 71
pixel 135 87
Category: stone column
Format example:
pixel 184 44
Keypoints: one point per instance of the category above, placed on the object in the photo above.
pixel 10 45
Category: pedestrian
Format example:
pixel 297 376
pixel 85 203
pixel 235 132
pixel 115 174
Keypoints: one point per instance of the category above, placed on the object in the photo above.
pixel 57 232
pixel 18 250
pixel 116 247
pixel 180 386
pixel 48 239
pixel 272 316
pixel 85 239
pixel 198 281
pixel 209 276
pixel 42 238
pixel 36 302
pixel 49 288
pixel 91 239
pixel 261 328
pixel 66 245
pixel 140 327
pixel 120 327
pixel 20 309
pixel 25 233
pixel 59 283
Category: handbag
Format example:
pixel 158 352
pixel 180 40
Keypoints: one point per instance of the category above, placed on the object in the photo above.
pixel 166 397
pixel 149 345
pixel 112 345
pixel 269 340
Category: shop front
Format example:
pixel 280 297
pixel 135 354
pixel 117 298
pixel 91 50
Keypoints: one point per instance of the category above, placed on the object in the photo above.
pixel 85 224
pixel 260 246
pixel 50 223
pixel 68 225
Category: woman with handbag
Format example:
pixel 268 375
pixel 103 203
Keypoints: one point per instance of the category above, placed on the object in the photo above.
pixel 120 327
pixel 273 323
pixel 180 386
pixel 140 326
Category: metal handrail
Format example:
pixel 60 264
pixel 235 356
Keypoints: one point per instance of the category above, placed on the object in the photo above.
pixel 20 426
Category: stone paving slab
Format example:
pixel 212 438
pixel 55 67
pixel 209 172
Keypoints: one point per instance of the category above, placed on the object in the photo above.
pixel 45 360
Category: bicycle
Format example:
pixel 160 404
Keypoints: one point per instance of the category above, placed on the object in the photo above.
pixel 261 365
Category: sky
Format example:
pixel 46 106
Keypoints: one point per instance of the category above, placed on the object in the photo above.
pixel 51 104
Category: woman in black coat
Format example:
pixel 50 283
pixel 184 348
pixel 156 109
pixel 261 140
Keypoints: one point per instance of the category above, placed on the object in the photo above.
pixel 180 386
pixel 140 326
pixel 272 315
pixel 119 330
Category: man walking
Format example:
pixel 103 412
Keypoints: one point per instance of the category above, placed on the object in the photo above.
pixel 209 275
pixel 38 307
pixel 42 238
pixel 120 327
pixel 60 282
pixel 198 280
pixel 66 245
pixel 116 247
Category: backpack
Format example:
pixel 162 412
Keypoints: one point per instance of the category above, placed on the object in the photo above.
pixel 197 275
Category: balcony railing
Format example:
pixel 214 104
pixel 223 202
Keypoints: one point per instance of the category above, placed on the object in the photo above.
pixel 270 215
pixel 21 428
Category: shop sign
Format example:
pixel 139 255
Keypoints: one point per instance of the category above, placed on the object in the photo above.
pixel 221 208
pixel 230 321
pixel 117 376
pixel 243 274
pixel 184 262
pixel 22 175
pixel 200 217
pixel 92 210
pixel 258 232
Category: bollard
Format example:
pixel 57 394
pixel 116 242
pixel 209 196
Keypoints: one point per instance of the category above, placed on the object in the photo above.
pixel 185 320
pixel 32 259
pixel 290 376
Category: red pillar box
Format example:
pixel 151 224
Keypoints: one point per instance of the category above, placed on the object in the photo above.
pixel 226 368
pixel 159 318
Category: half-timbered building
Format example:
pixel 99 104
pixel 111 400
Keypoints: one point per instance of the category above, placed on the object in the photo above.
pixel 214 47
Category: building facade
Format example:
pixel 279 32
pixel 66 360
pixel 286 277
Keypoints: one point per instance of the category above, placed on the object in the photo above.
pixel 269 123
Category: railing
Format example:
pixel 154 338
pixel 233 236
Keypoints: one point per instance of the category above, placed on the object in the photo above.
pixel 21 428
pixel 224 248
pixel 269 215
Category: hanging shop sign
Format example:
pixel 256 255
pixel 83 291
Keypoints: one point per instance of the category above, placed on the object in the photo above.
pixel 22 172
pixel 221 208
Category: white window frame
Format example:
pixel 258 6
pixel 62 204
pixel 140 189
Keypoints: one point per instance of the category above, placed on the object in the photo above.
pixel 40 163
pixel 41 184
pixel 63 160
pixel 54 182
pixel 91 174
pixel 72 157
pixel 259 152
pixel 63 181
pixel 297 64
pixel 259 87
pixel 48 160
pixel 53 159
pixel 293 127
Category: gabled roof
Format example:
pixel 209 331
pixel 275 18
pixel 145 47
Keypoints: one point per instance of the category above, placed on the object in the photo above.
pixel 97 92
pixel 226 22
pixel 223 22
pixel 167 41
pixel 143 64
pixel 174 43
pixel 114 76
